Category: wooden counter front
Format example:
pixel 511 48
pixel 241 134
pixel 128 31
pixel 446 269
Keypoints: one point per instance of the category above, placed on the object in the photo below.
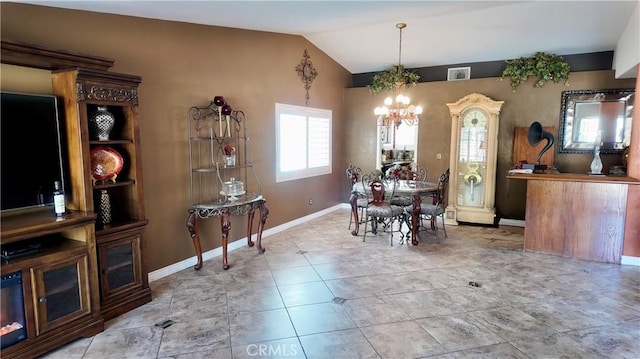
pixel 576 215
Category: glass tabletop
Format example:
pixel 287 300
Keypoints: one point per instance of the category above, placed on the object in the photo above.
pixel 240 200
pixel 403 187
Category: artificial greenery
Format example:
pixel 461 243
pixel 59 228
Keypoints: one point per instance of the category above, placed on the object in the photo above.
pixel 546 67
pixel 386 80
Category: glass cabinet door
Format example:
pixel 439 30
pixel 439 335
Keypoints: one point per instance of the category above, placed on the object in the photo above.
pixel 62 292
pixel 119 265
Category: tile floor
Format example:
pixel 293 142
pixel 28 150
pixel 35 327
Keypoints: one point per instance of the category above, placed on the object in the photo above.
pixel 319 292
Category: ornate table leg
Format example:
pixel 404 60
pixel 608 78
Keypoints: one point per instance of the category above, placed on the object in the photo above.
pixel 225 223
pixel 192 227
pixel 354 212
pixel 250 224
pixel 264 212
pixel 414 219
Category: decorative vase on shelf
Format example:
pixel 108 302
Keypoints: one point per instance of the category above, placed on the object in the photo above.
pixel 596 163
pixel 101 123
pixel 229 160
pixel 104 213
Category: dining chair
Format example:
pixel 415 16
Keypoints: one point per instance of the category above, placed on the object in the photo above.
pixel 379 208
pixel 354 175
pixel 431 211
pixel 376 174
pixel 419 174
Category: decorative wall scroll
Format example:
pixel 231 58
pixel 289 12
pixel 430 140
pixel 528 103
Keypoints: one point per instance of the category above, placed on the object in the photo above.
pixel 307 73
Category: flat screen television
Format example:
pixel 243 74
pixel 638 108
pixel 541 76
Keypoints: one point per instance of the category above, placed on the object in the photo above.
pixel 33 151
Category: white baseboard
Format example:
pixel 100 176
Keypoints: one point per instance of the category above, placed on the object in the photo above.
pixel 630 261
pixel 511 222
pixel 216 252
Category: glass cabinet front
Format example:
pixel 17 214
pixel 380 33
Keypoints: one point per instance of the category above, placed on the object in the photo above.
pixel 62 293
pixel 119 265
pixel 472 158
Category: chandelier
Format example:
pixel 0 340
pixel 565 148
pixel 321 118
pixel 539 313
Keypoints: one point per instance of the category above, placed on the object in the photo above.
pixel 398 109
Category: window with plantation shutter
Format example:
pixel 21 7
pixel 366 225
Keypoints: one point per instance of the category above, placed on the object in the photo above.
pixel 303 142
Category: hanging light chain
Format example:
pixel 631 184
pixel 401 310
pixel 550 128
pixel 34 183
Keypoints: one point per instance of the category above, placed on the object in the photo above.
pixel 400 25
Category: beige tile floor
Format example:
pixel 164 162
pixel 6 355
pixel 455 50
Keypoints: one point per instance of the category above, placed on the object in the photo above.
pixel 318 292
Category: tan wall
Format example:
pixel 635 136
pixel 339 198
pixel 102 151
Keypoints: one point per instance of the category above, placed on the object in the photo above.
pixel 183 65
pixel 520 109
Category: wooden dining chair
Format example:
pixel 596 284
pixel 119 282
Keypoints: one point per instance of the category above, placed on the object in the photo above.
pixel 431 211
pixel 379 208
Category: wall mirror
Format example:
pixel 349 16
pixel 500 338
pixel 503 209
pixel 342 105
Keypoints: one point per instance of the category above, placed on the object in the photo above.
pixel 585 114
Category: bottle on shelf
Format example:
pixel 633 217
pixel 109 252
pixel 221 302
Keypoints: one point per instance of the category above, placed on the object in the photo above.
pixel 58 199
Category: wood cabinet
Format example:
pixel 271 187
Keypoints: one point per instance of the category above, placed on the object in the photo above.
pixel 523 151
pixel 59 281
pixel 122 276
pixel 61 292
pixel 85 91
pixel 87 270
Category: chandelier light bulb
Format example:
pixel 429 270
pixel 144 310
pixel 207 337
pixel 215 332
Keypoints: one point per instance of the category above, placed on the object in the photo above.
pixel 418 110
pixel 388 101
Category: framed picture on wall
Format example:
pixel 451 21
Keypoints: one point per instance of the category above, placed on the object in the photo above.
pixel 458 73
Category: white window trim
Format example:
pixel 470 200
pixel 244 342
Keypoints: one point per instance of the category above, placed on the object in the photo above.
pixel 305 112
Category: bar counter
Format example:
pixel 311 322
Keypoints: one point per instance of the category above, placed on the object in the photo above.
pixel 575 215
pixel 575 177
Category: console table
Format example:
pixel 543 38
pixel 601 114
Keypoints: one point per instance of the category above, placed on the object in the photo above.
pixel 243 206
pixel 576 215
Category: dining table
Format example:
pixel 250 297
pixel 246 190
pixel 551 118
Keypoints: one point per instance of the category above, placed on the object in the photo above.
pixel 416 189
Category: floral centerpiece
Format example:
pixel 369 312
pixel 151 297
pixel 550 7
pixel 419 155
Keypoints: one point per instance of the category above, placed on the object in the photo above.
pixel 229 150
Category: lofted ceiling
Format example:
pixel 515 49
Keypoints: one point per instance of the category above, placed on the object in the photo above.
pixel 362 35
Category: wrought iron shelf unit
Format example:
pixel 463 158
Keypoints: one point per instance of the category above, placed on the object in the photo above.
pixel 222 178
pixel 218 148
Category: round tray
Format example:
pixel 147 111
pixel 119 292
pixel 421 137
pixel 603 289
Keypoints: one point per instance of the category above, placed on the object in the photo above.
pixel 106 163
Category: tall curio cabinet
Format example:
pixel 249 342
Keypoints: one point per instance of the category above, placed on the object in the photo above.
pixel 104 106
pixel 474 150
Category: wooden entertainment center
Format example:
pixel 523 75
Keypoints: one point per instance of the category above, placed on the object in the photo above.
pixel 86 271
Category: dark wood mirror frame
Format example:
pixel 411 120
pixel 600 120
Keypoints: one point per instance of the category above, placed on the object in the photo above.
pixel 586 113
